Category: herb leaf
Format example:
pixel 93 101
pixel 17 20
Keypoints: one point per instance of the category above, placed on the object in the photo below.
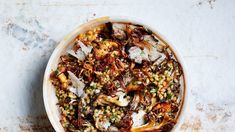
pixel 113 117
pixel 168 96
pixel 154 90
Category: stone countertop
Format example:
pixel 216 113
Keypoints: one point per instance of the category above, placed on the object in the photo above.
pixel 203 32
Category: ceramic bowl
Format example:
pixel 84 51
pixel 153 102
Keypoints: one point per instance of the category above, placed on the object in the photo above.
pixel 50 99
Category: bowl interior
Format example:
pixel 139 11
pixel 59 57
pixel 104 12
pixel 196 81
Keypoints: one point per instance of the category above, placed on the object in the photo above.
pixel 50 99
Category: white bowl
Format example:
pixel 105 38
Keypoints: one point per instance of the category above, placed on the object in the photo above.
pixel 50 99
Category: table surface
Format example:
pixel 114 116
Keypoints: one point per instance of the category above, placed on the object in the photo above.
pixel 203 32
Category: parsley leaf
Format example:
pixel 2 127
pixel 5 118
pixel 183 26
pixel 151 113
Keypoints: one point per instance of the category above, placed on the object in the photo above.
pixel 154 90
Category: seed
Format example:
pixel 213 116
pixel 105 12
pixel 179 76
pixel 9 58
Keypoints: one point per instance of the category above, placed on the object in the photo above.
pixel 71 95
pixel 147 81
pixel 108 107
pixel 175 80
pixel 89 32
pixel 164 94
pixel 164 83
pixel 154 94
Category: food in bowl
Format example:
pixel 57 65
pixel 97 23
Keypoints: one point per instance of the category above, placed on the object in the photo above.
pixel 118 76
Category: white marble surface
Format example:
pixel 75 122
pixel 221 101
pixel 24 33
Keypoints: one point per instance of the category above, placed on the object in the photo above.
pixel 203 32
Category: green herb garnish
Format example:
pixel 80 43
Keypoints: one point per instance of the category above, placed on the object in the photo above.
pixel 169 95
pixel 113 117
pixel 56 72
pixel 154 90
pixel 93 86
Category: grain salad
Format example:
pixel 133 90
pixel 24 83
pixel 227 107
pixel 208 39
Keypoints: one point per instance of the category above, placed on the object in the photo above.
pixel 118 77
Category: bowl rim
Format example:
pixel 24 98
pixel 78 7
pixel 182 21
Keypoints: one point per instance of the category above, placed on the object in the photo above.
pixel 68 39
